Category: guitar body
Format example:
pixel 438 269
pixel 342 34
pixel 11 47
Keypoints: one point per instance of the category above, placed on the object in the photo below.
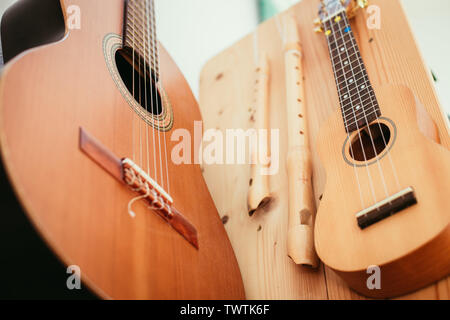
pixel 412 247
pixel 46 96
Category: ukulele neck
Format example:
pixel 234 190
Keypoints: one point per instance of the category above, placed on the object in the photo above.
pixel 358 102
pixel 139 32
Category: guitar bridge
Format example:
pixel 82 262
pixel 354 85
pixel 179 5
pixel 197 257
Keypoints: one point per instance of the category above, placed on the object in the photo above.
pixel 128 173
pixel 140 181
pixel 386 208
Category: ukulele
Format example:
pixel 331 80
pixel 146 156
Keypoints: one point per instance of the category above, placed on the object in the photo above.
pixel 383 222
pixel 87 126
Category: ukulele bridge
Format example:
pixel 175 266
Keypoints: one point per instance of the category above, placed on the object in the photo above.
pixel 386 208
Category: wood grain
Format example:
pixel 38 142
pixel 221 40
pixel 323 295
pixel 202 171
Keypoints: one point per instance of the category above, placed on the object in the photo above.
pixel 46 95
pixel 390 54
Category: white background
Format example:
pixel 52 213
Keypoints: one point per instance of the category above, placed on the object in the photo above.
pixel 193 31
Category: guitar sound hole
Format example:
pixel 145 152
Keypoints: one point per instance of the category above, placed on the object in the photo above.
pixel 370 142
pixel 144 82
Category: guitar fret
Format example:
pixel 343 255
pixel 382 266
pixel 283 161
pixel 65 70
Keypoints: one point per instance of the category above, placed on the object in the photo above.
pixel 139 4
pixel 138 36
pixel 138 39
pixel 136 16
pixel 140 16
pixel 140 32
pixel 359 105
pixel 140 29
pixel 146 55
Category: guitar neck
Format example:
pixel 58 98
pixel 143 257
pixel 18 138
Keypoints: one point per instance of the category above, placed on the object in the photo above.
pixel 140 32
pixel 358 102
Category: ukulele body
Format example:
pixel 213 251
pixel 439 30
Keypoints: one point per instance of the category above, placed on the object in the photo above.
pixel 411 247
pixel 46 96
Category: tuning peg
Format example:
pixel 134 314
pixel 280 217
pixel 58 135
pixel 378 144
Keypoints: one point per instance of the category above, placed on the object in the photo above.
pixel 362 3
pixel 318 29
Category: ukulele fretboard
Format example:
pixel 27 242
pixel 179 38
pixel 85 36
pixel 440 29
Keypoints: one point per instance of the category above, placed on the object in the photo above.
pixel 359 105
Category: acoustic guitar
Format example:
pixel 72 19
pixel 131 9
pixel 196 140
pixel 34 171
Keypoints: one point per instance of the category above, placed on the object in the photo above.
pixel 87 129
pixel 383 222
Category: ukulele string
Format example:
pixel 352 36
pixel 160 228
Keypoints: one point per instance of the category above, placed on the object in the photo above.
pixel 162 106
pixel 374 103
pixel 345 121
pixel 380 170
pixel 282 31
pixel 281 27
pixel 156 80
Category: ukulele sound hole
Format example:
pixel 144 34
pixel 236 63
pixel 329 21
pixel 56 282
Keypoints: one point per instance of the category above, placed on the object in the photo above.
pixel 370 142
pixel 145 90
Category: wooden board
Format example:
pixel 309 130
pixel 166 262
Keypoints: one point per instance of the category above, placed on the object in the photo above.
pixel 391 56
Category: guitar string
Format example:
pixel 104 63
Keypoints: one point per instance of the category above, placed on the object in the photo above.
pixel 151 90
pixel 154 91
pixel 380 170
pixel 369 85
pixel 146 125
pixel 137 10
pixel 140 105
pixel 154 46
pixel 134 97
pixel 162 101
pixel 357 126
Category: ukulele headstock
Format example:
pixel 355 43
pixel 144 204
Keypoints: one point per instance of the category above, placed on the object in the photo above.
pixel 330 8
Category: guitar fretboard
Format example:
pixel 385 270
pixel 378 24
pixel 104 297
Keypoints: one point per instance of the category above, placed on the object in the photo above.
pixel 359 105
pixel 140 31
